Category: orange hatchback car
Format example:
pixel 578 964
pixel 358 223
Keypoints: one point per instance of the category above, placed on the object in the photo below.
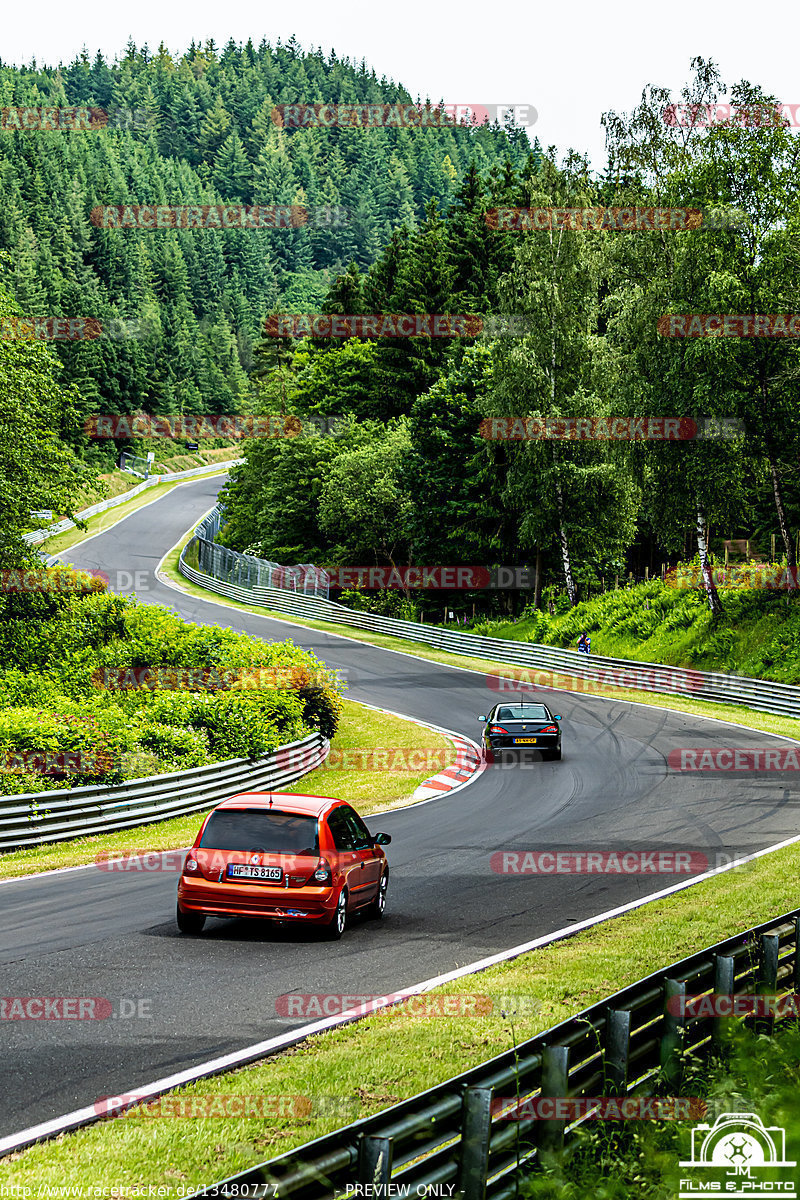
pixel 309 859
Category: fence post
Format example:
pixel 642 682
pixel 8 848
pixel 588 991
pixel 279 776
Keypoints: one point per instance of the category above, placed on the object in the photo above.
pixel 674 1025
pixel 723 986
pixel 476 1127
pixel 618 1041
pixel 796 977
pixel 768 978
pixel 375 1160
pixel 555 1069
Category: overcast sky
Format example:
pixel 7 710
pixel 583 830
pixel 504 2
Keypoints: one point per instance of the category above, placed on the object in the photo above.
pixel 571 61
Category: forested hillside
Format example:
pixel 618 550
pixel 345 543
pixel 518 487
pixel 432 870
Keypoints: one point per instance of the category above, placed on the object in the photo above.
pixel 416 475
pixel 410 220
pixel 185 306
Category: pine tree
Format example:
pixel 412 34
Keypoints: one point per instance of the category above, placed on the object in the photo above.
pixel 232 174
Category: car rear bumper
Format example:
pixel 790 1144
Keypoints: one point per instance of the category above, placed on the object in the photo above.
pixel 544 741
pixel 311 905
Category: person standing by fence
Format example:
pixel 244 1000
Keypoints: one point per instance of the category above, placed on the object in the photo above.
pixel 584 643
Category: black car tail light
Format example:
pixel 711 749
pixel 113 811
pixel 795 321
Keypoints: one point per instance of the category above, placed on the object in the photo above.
pixel 549 729
pixel 497 729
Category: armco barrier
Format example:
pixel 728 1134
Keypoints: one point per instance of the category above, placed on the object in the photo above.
pixel 37 817
pixel 40 535
pixel 453 1135
pixel 249 572
pixel 780 698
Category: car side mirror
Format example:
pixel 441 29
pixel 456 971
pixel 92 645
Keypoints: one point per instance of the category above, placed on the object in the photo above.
pixel 557 717
pixel 381 839
pixel 481 717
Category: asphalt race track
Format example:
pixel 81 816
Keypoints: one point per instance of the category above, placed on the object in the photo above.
pixel 93 933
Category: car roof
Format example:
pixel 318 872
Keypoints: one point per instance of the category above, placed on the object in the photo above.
pixel 311 806
pixel 521 704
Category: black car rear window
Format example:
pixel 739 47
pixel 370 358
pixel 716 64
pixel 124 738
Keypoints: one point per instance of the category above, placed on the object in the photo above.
pixel 523 712
pixel 261 829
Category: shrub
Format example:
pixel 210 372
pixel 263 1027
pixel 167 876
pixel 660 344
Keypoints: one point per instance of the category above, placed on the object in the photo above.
pixel 179 749
pixel 322 709
pixel 54 701
pixel 248 724
pixel 63 745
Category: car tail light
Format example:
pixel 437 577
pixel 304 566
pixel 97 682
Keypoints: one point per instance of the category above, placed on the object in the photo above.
pixel 497 729
pixel 549 729
pixel 190 866
pixel 323 872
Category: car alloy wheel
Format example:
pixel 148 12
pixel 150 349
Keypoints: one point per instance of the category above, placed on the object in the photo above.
pixel 378 905
pixel 337 926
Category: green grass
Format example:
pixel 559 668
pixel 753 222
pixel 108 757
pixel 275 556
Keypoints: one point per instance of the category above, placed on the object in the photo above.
pixel 392 1055
pixel 104 521
pixel 395 1054
pixel 369 791
pixel 734 713
pixel 758 634
pixel 619 1161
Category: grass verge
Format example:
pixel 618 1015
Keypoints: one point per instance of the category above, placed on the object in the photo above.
pixel 101 522
pixel 642 1158
pixel 735 713
pixel 395 1054
pixel 369 791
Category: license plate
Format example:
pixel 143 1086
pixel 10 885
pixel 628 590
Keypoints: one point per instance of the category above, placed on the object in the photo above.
pixel 246 871
pixel 524 741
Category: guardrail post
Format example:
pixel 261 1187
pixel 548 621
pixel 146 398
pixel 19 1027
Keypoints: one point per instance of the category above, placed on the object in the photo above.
pixel 375 1160
pixel 672 1037
pixel 555 1070
pixel 768 978
pixel 723 986
pixel 476 1128
pixel 796 976
pixel 618 1042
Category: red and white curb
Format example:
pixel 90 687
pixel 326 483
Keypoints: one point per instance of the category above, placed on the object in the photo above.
pixel 468 762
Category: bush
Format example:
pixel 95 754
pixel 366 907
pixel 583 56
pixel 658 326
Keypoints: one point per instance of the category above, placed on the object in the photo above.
pixel 78 747
pixel 178 749
pixel 65 722
pixel 390 602
pixel 322 709
pixel 248 724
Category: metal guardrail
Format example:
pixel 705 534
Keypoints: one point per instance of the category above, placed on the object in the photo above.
pixel 40 535
pixel 590 674
pixel 36 817
pixel 455 1134
pixel 135 464
pixel 246 571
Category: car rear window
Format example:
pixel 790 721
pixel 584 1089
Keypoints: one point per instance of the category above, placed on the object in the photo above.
pixel 261 829
pixel 519 712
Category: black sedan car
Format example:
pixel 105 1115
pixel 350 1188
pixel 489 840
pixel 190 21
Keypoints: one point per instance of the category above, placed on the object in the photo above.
pixel 522 727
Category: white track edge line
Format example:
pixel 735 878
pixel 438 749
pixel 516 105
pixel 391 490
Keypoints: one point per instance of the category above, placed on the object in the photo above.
pixel 171 487
pixel 89 1114
pixel 281 620
pixel 215 1066
pixel 384 812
